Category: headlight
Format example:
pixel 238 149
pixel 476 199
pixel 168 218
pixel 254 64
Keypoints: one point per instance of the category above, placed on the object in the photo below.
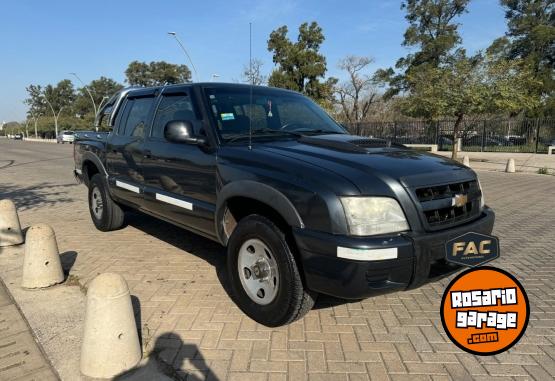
pixel 374 215
pixel 482 199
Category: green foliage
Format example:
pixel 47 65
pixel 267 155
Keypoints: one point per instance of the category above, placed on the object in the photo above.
pixel 300 66
pixel 73 110
pixel 61 96
pixel 531 38
pixel 469 86
pixel 35 101
pixel 433 30
pixel 101 89
pixel 156 73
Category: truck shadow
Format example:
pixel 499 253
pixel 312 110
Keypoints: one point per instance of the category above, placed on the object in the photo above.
pixel 203 248
pixel 182 239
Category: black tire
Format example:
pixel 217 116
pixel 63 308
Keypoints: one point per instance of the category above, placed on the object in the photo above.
pixel 111 216
pixel 291 301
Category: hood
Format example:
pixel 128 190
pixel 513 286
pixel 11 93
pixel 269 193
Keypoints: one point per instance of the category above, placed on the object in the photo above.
pixel 361 160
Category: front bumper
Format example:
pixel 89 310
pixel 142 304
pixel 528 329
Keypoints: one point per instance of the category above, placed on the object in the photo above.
pixel 420 257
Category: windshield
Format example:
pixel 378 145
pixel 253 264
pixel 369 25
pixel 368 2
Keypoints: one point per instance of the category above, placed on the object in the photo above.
pixel 272 113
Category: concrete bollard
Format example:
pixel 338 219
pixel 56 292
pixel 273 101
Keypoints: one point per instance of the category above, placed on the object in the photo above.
pixel 110 341
pixel 41 266
pixel 10 229
pixel 510 168
pixel 466 161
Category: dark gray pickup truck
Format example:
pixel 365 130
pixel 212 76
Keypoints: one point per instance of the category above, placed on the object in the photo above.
pixel 302 206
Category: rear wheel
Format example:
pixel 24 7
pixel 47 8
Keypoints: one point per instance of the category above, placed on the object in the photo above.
pixel 264 275
pixel 105 213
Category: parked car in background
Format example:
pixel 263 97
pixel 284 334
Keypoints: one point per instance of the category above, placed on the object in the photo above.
pixel 516 140
pixel 477 140
pixel 18 136
pixel 66 137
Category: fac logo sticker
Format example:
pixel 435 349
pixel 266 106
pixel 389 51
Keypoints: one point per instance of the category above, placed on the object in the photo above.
pixel 485 311
pixel 472 249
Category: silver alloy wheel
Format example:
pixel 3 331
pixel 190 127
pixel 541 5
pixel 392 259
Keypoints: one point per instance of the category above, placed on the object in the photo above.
pixel 258 271
pixel 97 206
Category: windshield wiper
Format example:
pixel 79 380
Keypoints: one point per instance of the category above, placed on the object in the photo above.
pixel 263 131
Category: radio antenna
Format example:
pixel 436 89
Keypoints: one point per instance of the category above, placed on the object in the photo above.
pixel 251 85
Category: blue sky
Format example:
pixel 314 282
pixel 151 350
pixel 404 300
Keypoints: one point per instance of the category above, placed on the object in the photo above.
pixel 41 42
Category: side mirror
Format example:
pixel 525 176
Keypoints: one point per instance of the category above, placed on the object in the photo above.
pixel 181 131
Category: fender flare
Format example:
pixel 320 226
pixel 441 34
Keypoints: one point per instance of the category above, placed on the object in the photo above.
pixel 259 192
pixel 90 156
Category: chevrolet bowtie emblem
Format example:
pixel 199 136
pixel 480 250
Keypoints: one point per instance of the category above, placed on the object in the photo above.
pixel 459 200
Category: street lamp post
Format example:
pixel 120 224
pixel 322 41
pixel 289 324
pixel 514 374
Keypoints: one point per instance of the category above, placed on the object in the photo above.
pixel 54 113
pixel 174 34
pixel 88 92
pixel 102 101
pixel 27 128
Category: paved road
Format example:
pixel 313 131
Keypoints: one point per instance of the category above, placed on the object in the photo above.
pixel 186 314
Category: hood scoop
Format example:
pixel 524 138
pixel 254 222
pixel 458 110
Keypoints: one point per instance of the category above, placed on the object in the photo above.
pixel 348 143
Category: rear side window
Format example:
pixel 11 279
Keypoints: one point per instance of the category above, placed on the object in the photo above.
pixel 172 107
pixel 136 114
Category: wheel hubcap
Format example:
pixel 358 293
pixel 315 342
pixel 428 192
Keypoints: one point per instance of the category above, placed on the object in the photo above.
pixel 97 205
pixel 258 271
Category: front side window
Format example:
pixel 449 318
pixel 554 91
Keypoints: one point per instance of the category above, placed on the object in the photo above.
pixel 171 107
pixel 236 111
pixel 139 109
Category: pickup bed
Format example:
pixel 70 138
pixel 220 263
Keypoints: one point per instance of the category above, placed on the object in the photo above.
pixel 302 206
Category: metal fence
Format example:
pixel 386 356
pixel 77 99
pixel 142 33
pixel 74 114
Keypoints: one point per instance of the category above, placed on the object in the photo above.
pixel 484 135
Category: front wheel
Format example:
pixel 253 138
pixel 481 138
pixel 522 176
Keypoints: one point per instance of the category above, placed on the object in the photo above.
pixel 105 213
pixel 264 275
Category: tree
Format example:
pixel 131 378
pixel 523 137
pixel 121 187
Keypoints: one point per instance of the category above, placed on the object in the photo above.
pixel 156 73
pixel 355 95
pixel 469 86
pixel 252 73
pixel 36 103
pixel 101 89
pixel 531 38
pixel 432 29
pixel 300 66
pixel 59 98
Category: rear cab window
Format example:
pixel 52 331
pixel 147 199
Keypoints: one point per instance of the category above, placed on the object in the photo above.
pixel 136 115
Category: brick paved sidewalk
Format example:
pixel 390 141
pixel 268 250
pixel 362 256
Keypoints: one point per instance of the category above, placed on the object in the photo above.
pixel 189 322
pixel 21 357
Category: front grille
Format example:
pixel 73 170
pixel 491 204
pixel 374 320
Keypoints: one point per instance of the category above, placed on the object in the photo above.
pixel 438 206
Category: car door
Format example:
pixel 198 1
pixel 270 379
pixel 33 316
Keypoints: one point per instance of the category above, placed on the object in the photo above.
pixel 180 178
pixel 125 147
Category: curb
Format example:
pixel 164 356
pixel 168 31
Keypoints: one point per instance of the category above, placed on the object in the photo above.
pixel 48 364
